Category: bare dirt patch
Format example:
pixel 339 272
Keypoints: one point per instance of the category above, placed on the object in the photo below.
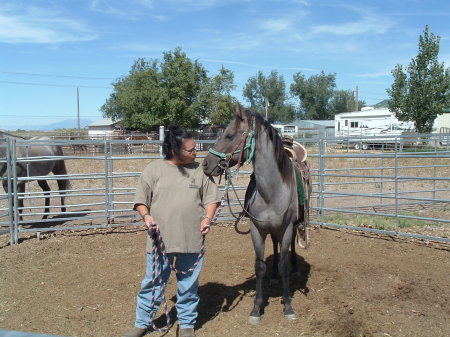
pixel 84 284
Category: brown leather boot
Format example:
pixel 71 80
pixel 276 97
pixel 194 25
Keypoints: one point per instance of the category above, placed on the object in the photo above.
pixel 136 332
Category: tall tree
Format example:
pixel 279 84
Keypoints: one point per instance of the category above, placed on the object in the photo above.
pixel 269 94
pixel 216 103
pixel 138 99
pixel 343 101
pixel 423 91
pixel 315 94
pixel 182 80
pixel 154 93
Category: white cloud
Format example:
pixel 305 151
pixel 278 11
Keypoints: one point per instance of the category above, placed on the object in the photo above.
pixel 365 26
pixel 374 75
pixel 277 25
pixel 40 27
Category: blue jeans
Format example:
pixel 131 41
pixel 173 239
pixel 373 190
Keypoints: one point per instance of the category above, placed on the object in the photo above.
pixel 187 294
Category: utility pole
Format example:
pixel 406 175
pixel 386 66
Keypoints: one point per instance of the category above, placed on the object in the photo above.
pixel 267 109
pixel 356 98
pixel 78 111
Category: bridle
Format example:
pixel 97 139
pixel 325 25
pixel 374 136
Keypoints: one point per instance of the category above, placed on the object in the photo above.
pixel 246 143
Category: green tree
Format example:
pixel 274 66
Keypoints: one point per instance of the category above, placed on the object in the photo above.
pixel 423 91
pixel 343 101
pixel 269 93
pixel 154 93
pixel 314 94
pixel 215 100
pixel 182 80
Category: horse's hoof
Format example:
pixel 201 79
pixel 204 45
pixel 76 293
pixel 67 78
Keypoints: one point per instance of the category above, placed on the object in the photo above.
pixel 290 317
pixel 254 320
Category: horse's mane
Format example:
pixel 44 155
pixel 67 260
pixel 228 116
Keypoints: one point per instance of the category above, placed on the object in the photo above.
pixel 284 164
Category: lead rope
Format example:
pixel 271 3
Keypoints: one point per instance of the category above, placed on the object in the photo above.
pixel 159 250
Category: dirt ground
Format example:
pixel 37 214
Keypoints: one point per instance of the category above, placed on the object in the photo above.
pixel 83 283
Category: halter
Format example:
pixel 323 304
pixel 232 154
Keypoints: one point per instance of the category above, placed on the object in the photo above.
pixel 247 138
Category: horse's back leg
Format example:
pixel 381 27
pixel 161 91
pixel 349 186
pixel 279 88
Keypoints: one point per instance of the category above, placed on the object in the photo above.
pixel 260 270
pixel 20 190
pixel 293 254
pixel 284 267
pixel 46 188
pixel 62 186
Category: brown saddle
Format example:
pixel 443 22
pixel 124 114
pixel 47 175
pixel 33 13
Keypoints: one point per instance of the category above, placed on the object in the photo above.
pixel 295 151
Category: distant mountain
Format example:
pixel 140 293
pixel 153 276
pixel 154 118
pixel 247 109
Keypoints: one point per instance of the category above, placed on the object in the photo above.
pixel 65 124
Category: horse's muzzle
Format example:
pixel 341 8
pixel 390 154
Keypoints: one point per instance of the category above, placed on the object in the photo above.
pixel 213 168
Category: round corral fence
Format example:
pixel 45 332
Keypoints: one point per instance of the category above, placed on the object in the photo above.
pixel 396 190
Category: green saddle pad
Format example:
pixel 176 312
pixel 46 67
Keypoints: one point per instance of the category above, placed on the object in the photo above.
pixel 300 190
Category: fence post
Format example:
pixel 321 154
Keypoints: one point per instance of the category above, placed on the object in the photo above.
pixel 108 204
pixel 320 195
pixel 13 236
pixel 161 138
pixel 12 186
pixel 397 219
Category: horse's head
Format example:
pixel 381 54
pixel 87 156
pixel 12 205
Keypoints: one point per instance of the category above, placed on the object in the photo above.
pixel 233 146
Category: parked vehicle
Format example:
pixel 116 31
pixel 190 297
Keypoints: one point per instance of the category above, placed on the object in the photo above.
pixel 286 129
pixel 370 127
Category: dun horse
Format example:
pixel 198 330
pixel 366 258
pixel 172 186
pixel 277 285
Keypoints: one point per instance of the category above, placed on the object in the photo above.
pixel 272 195
pixel 36 168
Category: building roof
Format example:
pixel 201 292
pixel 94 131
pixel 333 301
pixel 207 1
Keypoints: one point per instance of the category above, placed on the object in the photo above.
pixel 311 123
pixel 104 122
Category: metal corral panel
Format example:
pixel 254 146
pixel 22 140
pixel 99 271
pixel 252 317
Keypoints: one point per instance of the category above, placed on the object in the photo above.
pixel 6 333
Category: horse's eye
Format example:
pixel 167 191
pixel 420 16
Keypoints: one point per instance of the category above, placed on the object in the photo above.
pixel 229 136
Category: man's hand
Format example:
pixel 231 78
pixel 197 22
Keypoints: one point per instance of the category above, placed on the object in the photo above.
pixel 150 223
pixel 204 225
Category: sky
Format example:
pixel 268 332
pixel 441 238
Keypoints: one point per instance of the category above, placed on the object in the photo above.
pixel 59 59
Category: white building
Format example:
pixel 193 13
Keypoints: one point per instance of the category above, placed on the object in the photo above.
pixel 442 122
pixel 104 128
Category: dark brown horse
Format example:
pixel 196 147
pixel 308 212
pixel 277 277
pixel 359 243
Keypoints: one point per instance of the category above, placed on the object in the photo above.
pixel 272 198
pixel 40 147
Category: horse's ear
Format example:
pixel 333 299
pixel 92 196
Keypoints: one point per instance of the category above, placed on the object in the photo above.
pixel 240 112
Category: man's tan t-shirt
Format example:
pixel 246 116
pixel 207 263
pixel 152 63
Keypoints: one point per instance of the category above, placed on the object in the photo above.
pixel 177 197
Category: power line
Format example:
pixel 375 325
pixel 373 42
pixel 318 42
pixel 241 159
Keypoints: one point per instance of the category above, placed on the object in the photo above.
pixel 45 117
pixel 55 85
pixel 56 76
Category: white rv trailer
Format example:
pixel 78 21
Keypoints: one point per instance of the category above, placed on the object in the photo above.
pixel 286 129
pixel 366 127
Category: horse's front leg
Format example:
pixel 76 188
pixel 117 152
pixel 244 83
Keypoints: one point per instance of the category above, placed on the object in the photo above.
pixel 260 270
pixel 274 276
pixel 284 267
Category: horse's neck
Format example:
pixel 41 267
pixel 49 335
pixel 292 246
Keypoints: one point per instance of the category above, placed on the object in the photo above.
pixel 269 181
